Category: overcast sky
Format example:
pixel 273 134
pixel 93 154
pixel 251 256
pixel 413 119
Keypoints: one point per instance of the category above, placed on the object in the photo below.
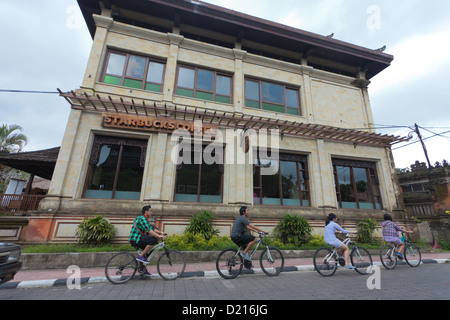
pixel 45 45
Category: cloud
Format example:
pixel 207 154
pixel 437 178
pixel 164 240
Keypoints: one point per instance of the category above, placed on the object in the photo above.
pixel 413 58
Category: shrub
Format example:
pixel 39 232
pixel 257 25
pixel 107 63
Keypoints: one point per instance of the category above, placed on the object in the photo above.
pixel 190 242
pixel 444 245
pixel 201 224
pixel 316 241
pixel 293 229
pixel 366 227
pixel 96 230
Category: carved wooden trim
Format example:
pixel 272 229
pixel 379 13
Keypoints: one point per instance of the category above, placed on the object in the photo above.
pixel 100 141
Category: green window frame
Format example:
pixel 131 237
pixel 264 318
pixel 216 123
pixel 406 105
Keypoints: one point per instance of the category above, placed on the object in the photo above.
pixel 133 71
pixel 272 96
pixel 204 84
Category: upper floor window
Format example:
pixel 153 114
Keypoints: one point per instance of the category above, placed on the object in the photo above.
pixel 272 96
pixel 133 71
pixel 203 84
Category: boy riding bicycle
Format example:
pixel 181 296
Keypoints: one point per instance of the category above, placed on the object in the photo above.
pixel 143 235
pixel 239 234
pixel 390 233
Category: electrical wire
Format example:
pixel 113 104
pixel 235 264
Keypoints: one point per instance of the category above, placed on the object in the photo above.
pixel 27 91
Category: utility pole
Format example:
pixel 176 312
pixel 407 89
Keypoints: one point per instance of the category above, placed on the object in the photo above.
pixel 423 145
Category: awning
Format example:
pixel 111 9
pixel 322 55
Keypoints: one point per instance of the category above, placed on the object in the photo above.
pixel 226 119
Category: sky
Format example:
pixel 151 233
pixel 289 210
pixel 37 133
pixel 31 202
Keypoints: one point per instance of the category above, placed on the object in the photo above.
pixel 45 45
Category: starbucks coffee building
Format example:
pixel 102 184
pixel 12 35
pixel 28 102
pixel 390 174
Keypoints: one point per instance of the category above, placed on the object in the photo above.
pixel 188 106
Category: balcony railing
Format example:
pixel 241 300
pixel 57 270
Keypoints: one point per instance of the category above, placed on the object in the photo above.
pixel 420 210
pixel 19 202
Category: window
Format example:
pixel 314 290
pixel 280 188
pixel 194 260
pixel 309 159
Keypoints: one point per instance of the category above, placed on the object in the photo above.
pixel 356 184
pixel 116 168
pixel 272 96
pixel 288 187
pixel 198 181
pixel 134 71
pixel 204 84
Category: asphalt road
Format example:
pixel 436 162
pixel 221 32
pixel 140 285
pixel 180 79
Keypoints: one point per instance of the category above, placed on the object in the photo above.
pixel 426 282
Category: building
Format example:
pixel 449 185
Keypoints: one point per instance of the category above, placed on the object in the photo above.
pixel 426 195
pixel 188 106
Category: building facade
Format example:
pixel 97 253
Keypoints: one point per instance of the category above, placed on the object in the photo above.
pixel 187 106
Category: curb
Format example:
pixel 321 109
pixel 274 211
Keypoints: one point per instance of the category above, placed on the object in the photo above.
pixel 190 274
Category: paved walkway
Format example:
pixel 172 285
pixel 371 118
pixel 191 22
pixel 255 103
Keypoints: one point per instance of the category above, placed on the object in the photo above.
pixel 55 277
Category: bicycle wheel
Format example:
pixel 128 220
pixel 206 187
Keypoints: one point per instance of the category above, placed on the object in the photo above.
pixel 121 267
pixel 361 260
pixel 229 264
pixel 412 255
pixel 271 261
pixel 388 257
pixel 171 264
pixel 325 262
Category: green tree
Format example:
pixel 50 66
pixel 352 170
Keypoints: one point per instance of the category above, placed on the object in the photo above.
pixel 10 139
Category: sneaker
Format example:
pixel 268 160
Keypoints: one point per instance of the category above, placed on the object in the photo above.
pixel 248 265
pixel 400 255
pixel 349 267
pixel 245 256
pixel 142 259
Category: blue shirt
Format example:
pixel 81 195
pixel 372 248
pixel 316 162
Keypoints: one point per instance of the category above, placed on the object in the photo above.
pixel 329 234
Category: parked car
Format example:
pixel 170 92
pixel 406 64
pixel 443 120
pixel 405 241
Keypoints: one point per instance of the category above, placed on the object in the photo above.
pixel 10 262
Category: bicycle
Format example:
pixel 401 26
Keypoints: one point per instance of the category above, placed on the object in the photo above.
pixel 326 260
pixel 123 266
pixel 229 262
pixel 411 253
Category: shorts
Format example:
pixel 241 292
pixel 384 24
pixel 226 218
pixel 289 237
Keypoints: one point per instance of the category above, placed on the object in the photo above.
pixel 243 240
pixel 394 240
pixel 335 243
pixel 145 241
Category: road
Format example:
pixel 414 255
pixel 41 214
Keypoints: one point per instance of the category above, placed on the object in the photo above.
pixel 427 282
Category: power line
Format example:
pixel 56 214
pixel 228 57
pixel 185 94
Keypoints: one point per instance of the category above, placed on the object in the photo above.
pixel 27 91
pixel 435 135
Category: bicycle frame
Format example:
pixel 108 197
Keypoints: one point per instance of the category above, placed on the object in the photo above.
pixel 348 242
pixel 258 243
pixel 154 250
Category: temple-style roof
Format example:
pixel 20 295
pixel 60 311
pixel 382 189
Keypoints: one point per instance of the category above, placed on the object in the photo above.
pixel 206 22
pixel 40 163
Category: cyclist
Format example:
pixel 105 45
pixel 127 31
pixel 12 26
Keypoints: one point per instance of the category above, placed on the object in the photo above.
pixel 390 233
pixel 331 227
pixel 143 235
pixel 239 232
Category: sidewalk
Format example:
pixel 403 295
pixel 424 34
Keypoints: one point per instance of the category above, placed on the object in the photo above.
pixel 58 277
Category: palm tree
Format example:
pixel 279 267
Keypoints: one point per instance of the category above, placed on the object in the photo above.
pixel 11 141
